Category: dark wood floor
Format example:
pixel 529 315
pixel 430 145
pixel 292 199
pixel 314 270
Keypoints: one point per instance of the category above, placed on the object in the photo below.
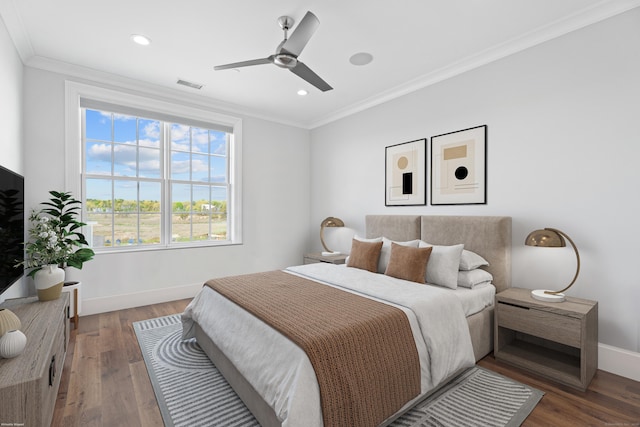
pixel 105 382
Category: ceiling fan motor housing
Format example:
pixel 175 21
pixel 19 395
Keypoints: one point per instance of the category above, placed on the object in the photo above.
pixel 285 60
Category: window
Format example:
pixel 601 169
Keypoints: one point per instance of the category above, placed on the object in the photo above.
pixel 153 178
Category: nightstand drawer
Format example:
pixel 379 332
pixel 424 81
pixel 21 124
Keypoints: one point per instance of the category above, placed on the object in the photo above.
pixel 539 323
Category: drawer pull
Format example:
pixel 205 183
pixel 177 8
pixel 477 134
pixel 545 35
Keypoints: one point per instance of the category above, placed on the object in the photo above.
pixel 52 370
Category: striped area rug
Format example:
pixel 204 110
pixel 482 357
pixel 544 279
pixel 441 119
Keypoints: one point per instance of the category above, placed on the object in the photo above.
pixel 192 392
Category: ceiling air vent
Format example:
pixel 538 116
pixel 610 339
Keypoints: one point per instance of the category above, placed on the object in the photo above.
pixel 189 84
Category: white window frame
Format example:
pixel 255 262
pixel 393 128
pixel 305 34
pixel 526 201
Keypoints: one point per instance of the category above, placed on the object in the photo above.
pixel 75 91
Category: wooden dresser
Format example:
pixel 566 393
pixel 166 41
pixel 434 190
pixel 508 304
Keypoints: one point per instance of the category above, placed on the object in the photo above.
pixel 29 382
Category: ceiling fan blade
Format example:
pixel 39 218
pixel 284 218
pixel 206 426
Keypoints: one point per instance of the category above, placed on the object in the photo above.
pixel 244 63
pixel 301 34
pixel 305 73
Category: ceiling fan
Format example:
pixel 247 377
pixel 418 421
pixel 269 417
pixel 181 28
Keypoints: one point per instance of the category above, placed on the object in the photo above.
pixel 289 49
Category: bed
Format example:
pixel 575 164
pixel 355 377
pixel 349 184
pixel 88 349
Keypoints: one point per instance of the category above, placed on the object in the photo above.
pixel 273 375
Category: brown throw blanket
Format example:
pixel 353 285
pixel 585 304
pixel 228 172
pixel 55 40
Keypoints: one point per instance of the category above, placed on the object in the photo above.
pixel 362 351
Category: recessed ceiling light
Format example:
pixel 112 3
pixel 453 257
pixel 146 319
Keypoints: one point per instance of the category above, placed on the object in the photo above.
pixel 141 39
pixel 302 92
pixel 361 58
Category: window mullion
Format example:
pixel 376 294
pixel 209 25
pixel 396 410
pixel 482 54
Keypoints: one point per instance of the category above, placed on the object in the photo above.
pixel 165 146
pixel 138 218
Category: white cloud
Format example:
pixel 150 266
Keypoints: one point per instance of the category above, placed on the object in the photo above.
pixel 117 116
pixel 152 130
pixel 200 140
pixel 179 132
pixel 199 166
pixel 100 152
pixel 125 157
pixel 151 166
pixel 180 167
pixel 155 143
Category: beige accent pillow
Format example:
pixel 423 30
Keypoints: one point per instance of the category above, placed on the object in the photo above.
pixel 364 255
pixel 385 253
pixel 408 263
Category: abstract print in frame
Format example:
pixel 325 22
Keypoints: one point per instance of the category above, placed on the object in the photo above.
pixel 458 167
pixel 406 177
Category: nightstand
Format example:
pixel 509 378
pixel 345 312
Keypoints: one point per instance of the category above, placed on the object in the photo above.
pixel 556 340
pixel 318 257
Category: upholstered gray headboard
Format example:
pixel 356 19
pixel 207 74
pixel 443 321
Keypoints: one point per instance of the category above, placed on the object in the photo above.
pixel 488 236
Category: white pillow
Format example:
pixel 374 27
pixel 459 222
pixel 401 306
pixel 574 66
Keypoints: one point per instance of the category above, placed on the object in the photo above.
pixel 443 265
pixel 383 262
pixel 472 278
pixel 362 239
pixel 471 260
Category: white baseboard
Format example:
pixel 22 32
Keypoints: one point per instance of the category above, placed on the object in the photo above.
pixel 138 299
pixel 619 361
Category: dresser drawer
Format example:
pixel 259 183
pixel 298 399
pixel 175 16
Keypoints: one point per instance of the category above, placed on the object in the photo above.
pixel 49 383
pixel 539 323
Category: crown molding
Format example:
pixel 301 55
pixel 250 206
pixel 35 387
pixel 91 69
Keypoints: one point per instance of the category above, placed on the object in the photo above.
pixel 17 31
pixel 115 81
pixel 591 15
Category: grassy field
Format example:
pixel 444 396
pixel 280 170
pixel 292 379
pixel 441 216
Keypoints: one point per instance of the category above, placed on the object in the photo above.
pixel 184 228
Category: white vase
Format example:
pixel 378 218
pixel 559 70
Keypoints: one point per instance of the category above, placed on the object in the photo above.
pixel 12 344
pixel 49 280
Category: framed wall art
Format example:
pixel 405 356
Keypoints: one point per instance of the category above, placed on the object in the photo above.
pixel 459 167
pixel 406 176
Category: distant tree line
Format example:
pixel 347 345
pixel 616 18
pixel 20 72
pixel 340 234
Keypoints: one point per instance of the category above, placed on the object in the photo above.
pixel 121 205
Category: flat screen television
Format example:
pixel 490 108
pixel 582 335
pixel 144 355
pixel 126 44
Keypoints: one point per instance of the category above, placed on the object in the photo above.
pixel 11 227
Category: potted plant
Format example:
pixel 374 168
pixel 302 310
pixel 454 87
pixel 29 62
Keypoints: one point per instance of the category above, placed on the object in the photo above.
pixel 55 242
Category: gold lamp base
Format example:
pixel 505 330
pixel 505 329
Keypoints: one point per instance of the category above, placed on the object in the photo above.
pixel 547 296
pixel 552 238
pixel 329 222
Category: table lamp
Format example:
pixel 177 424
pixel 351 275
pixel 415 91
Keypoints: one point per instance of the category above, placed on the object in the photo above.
pixel 329 222
pixel 551 238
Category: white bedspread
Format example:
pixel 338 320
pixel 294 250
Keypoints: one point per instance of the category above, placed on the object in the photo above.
pixel 281 372
pixel 476 299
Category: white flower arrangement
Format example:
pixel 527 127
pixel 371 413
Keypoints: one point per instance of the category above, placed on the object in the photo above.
pixel 54 235
pixel 45 245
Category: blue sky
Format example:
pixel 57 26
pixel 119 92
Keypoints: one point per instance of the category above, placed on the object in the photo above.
pixel 136 152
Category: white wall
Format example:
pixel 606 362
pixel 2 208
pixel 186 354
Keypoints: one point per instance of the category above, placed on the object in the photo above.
pixel 11 155
pixel 275 200
pixel 563 152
